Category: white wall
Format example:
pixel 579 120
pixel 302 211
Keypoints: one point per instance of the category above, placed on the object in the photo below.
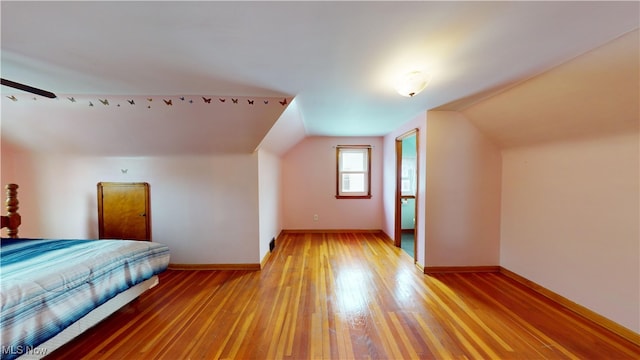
pixel 204 208
pixel 270 198
pixel 462 193
pixel 285 133
pixel 570 221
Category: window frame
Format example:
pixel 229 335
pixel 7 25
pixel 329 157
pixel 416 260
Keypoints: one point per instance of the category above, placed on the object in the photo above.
pixel 341 194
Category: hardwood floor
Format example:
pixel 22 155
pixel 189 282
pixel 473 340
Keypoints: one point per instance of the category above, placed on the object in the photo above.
pixel 343 296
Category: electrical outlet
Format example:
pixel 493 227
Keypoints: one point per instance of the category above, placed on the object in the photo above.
pixel 315 217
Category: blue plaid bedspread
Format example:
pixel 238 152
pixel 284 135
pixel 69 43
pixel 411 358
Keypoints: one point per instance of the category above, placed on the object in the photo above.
pixel 46 285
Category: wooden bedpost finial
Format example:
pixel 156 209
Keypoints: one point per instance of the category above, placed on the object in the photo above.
pixel 12 210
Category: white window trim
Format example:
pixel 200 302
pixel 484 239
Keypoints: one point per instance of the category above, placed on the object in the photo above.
pixel 367 173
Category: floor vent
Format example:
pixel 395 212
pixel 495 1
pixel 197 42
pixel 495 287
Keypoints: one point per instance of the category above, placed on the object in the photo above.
pixel 272 244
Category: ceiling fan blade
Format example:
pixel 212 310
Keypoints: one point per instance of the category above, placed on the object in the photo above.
pixel 28 88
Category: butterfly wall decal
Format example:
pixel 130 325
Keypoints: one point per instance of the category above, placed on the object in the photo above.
pixel 168 102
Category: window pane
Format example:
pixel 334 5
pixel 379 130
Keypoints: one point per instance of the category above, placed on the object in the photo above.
pixel 406 186
pixel 353 183
pixel 353 161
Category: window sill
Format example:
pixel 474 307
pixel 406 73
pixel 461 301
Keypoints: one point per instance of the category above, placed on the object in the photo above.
pixel 353 197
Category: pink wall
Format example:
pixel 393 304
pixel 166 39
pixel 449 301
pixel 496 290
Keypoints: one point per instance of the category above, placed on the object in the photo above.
pixel 570 221
pixel 205 208
pixel 14 162
pixel 389 180
pixel 270 198
pixel 463 185
pixel 309 187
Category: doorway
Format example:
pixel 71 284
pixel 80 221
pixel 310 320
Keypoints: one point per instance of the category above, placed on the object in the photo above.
pixel 406 192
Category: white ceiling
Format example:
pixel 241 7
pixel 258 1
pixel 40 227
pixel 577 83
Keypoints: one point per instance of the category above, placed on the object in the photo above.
pixel 338 59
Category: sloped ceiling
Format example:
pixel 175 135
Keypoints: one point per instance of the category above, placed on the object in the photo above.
pixel 596 94
pixel 140 125
pixel 337 59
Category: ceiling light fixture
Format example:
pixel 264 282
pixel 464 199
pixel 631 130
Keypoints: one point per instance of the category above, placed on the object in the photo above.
pixel 412 83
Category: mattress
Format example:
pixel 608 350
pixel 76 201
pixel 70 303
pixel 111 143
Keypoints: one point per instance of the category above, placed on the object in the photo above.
pixel 47 285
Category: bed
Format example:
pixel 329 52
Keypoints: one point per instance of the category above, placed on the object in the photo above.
pixel 52 290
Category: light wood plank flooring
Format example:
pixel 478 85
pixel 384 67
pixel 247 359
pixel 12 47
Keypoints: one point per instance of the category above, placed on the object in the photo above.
pixel 343 296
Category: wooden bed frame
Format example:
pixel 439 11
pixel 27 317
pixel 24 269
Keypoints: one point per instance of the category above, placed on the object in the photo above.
pixel 12 220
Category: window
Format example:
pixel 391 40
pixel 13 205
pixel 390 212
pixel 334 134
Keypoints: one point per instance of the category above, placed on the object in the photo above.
pixel 408 176
pixel 353 179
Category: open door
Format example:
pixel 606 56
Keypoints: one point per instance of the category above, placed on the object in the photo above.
pixel 406 215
